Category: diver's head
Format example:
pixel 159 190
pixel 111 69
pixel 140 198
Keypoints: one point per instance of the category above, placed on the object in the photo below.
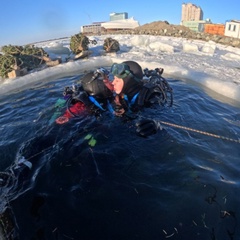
pixel 127 78
pixel 93 84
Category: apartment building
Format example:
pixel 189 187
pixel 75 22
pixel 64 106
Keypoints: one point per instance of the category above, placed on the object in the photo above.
pixel 191 12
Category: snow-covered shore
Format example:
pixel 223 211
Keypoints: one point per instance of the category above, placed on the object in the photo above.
pixel 213 66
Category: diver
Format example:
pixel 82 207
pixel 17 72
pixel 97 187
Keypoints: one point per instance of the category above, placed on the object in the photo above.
pixel 139 90
pixel 136 90
pixel 122 91
pixel 94 95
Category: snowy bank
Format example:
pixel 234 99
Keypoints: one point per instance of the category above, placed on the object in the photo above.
pixel 214 66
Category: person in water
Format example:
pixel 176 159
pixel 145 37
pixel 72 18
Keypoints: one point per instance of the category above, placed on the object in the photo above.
pixel 122 91
pixel 137 93
pixel 93 95
pixel 133 93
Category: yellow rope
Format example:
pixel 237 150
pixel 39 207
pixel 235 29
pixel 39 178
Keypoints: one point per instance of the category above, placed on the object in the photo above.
pixel 202 132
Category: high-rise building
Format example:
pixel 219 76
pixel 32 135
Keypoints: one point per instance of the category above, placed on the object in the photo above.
pixel 191 12
pixel 118 16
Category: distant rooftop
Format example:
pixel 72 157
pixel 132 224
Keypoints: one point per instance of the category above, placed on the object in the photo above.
pixel 129 23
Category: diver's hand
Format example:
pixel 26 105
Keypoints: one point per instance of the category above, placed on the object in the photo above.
pixel 119 110
pixel 147 127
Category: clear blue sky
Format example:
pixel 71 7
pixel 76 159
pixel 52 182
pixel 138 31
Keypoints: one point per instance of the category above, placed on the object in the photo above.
pixel 27 21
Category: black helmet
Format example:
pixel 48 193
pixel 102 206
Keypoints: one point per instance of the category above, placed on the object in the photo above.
pixel 124 69
pixel 93 84
pixel 135 69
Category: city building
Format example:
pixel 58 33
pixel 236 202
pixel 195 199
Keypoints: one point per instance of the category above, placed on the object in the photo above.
pixel 118 16
pixel 117 25
pixel 94 28
pixel 232 29
pixel 197 26
pixel 191 12
pixel 216 29
pixel 118 21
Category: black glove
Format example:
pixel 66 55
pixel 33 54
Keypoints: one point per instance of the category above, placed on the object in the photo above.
pixel 147 127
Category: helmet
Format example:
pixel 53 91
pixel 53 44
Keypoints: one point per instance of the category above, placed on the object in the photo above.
pixel 124 69
pixel 93 84
pixel 135 68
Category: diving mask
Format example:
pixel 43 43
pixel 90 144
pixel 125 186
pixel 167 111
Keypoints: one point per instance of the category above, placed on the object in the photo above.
pixel 120 70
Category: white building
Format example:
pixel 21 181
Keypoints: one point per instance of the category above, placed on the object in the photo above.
pixel 129 23
pixel 118 21
pixel 232 29
pixel 94 28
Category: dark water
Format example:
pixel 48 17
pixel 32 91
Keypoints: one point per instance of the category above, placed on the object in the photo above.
pixel 177 184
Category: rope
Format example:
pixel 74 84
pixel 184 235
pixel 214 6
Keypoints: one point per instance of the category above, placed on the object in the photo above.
pixel 201 132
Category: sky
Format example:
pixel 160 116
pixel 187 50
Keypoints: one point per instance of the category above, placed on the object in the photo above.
pixel 26 21
pixel 213 67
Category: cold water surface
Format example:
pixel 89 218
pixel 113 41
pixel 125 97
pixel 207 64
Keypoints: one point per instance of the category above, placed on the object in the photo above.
pixel 177 184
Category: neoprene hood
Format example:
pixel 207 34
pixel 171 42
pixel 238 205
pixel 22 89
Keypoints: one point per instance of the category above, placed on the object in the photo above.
pixel 95 86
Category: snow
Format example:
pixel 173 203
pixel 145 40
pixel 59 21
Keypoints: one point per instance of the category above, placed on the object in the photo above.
pixel 208 64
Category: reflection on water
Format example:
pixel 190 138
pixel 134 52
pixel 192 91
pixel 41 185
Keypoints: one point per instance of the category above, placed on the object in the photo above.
pixel 177 184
